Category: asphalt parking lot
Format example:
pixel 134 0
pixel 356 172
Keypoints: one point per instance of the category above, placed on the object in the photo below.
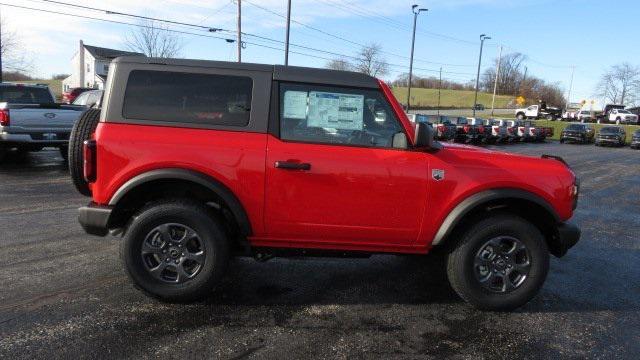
pixel 65 295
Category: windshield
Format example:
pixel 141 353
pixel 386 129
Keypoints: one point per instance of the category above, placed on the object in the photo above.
pixel 575 127
pixel 25 95
pixel 610 130
pixel 584 112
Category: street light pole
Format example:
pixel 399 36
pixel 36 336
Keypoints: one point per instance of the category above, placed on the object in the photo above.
pixel 286 44
pixel 239 31
pixel 495 84
pixel 483 37
pixel 416 11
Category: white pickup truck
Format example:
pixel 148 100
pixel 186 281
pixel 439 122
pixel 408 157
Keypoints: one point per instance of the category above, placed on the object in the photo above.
pixel 31 120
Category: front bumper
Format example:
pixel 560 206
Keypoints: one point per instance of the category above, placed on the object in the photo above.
pixel 94 219
pixel 608 141
pixel 574 138
pixel 635 143
pixel 567 235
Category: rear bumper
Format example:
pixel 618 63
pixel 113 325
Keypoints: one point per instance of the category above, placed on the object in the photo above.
pixel 568 235
pixel 94 219
pixel 42 138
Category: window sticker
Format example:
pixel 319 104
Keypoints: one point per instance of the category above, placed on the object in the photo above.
pixel 295 104
pixel 336 110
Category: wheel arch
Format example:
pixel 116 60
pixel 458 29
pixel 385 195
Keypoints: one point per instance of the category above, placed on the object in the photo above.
pixel 518 202
pixel 174 182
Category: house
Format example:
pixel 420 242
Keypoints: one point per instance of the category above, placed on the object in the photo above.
pixel 90 66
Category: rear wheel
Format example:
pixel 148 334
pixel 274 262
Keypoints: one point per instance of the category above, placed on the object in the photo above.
pixel 500 264
pixel 175 250
pixel 520 116
pixel 82 130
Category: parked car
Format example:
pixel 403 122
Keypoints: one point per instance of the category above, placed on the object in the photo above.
pixel 585 116
pixel 31 120
pixel 611 135
pixel 635 140
pixel 577 133
pixel 498 130
pixel 604 116
pixel 571 111
pixel 69 96
pixel 541 111
pixel 540 133
pixel 522 130
pixel 89 99
pixel 622 116
pixel 192 166
pixel 486 135
pixel 465 132
pixel 445 130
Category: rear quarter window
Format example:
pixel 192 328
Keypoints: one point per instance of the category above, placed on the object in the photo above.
pixel 180 97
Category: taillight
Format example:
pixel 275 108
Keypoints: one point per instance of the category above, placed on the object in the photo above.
pixel 5 119
pixel 481 129
pixel 466 128
pixel 89 160
pixel 510 130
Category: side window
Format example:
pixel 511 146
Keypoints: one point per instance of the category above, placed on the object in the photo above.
pixel 81 99
pixel 178 97
pixel 336 115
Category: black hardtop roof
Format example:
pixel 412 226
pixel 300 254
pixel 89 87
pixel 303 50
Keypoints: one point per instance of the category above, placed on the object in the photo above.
pixel 280 72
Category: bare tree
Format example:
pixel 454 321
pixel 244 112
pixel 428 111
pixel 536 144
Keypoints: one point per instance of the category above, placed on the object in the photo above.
pixel 510 74
pixel 371 62
pixel 620 84
pixel 154 40
pixel 339 64
pixel 14 57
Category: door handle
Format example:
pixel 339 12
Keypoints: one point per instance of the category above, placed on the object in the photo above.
pixel 290 165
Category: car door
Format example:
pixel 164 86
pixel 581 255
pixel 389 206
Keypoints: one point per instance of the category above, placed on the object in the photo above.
pixel 335 175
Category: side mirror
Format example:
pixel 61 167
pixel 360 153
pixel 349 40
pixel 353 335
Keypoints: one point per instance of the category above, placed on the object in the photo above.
pixel 425 137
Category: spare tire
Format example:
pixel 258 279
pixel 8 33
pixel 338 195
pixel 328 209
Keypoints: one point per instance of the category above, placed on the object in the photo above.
pixel 82 130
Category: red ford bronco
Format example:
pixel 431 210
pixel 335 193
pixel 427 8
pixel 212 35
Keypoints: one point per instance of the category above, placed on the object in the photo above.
pixel 193 162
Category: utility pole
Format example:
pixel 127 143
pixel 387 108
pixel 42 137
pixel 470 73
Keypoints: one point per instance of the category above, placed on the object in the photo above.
pixel 239 31
pixel 495 84
pixel 413 42
pixel 573 68
pixel 1 78
pixel 483 37
pixel 439 87
pixel 286 44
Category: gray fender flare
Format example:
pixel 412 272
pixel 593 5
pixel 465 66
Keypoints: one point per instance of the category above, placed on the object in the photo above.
pixel 465 206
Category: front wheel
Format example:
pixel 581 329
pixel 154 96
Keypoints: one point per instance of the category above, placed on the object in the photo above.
pixel 175 250
pixel 500 264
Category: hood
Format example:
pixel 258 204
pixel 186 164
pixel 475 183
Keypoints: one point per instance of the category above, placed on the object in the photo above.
pixel 499 158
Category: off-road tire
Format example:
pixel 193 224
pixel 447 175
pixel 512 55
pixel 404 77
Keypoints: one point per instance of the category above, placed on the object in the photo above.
pixel 197 217
pixel 82 130
pixel 460 263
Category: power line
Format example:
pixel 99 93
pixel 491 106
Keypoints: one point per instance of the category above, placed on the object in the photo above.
pixel 110 12
pixel 204 27
pixel 345 39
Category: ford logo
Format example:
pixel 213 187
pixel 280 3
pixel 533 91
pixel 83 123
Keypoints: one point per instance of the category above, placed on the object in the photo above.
pixel 49 115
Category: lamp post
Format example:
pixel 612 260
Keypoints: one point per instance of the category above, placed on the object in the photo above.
pixel 416 11
pixel 483 37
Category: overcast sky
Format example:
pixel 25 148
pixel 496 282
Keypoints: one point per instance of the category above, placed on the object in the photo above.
pixel 555 35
